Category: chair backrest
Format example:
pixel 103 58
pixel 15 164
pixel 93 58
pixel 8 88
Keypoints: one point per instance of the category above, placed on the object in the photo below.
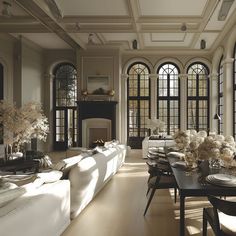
pixel 227 207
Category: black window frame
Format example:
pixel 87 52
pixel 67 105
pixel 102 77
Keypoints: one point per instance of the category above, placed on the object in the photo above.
pixel 65 109
pixel 135 141
pixel 220 97
pixel 168 98
pixel 1 98
pixel 234 92
pixel 199 98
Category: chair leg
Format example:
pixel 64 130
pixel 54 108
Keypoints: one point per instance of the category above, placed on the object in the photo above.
pixel 204 225
pixel 148 191
pixel 149 201
pixel 175 195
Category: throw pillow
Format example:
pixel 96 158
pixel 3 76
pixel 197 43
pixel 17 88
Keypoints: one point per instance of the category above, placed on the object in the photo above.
pixel 66 164
pixel 50 176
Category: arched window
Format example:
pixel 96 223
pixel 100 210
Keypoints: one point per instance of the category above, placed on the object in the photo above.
pixel 138 103
pixel 234 92
pixel 198 97
pixel 220 96
pixel 65 113
pixel 168 96
pixel 1 97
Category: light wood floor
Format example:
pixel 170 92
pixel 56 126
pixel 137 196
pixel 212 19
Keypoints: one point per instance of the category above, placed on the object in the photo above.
pixel 118 209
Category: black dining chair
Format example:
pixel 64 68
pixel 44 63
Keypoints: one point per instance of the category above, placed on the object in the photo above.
pixel 160 177
pixel 221 217
pixel 157 155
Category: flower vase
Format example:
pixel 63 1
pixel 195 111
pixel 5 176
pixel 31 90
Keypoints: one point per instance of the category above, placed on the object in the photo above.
pixel 214 163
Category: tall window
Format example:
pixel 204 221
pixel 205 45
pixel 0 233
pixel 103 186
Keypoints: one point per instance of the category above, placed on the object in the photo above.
pixel 198 97
pixel 234 92
pixel 1 97
pixel 220 96
pixel 168 96
pixel 138 91
pixel 65 113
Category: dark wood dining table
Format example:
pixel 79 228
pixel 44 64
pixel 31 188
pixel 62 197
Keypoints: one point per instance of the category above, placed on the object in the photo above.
pixel 192 183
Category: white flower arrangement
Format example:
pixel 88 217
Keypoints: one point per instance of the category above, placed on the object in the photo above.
pixel 22 124
pixel 182 139
pixel 156 125
pixel 218 147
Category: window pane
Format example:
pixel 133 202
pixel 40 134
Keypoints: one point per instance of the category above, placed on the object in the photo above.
pixel 220 96
pixel 66 85
pixel 197 97
pixel 168 96
pixel 138 99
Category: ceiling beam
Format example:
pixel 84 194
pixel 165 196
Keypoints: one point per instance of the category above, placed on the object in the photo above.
pixel 48 21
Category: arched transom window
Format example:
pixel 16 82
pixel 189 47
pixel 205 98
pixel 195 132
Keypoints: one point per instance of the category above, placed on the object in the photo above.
pixel 198 97
pixel 168 96
pixel 65 112
pixel 138 102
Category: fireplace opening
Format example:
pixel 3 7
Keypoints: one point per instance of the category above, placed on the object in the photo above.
pixel 97 137
pixel 95 129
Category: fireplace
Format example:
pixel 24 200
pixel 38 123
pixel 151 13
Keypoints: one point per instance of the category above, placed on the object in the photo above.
pixel 95 129
pixel 96 120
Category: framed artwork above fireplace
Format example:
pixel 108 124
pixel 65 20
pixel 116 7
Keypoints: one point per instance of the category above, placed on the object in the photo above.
pixel 98 84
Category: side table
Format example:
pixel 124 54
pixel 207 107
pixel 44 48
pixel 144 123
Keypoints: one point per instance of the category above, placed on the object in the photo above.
pixel 20 165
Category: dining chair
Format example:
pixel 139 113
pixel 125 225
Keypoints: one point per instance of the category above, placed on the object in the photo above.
pixel 156 156
pixel 221 217
pixel 162 179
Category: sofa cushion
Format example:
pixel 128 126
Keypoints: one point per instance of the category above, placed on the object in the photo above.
pixel 66 164
pixel 9 192
pixel 50 176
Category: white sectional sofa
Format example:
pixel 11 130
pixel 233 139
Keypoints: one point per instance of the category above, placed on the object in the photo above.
pixel 41 211
pixel 47 210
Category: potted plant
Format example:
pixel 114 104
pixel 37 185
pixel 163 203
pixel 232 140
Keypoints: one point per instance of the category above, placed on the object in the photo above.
pixel 21 125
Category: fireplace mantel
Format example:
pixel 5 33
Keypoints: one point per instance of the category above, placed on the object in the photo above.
pixel 96 109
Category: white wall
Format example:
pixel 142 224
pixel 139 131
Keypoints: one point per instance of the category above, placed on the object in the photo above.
pixel 6 59
pixel 32 74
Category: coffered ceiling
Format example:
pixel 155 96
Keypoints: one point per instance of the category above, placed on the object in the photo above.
pixel 157 25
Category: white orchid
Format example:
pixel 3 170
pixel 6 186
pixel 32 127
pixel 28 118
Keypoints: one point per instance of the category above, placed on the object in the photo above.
pixel 155 125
